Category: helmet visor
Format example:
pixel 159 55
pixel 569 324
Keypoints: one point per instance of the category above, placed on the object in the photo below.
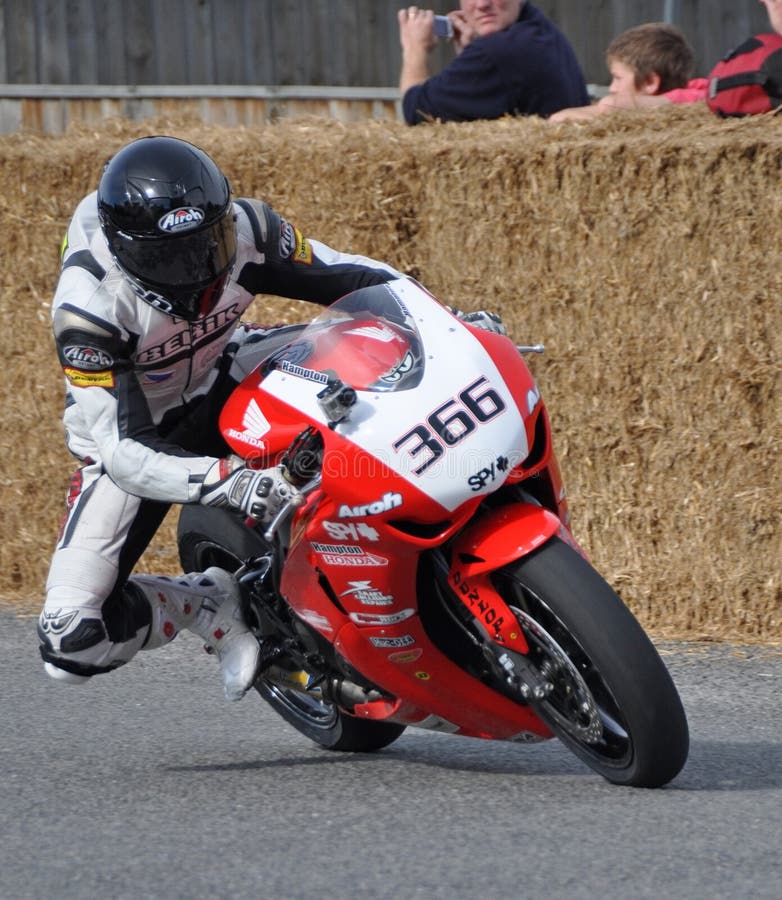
pixel 193 259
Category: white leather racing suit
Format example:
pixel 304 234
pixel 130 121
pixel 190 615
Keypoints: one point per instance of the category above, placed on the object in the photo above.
pixel 143 392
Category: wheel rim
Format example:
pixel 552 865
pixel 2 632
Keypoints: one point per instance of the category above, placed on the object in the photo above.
pixel 304 705
pixel 580 706
pixel 571 703
pixel 208 553
pixel 316 712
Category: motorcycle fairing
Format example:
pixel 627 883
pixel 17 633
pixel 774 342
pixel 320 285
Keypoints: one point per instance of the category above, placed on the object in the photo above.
pixel 472 708
pixel 401 659
pixel 410 432
pixel 383 449
pixel 502 536
pixel 369 613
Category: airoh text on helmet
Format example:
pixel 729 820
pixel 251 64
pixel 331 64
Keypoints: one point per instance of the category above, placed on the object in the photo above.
pixel 165 209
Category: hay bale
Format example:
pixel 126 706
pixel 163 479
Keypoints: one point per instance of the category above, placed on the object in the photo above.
pixel 642 250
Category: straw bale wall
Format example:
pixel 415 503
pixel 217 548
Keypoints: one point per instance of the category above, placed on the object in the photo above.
pixel 643 251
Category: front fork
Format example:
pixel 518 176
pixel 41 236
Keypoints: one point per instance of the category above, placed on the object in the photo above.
pixel 500 537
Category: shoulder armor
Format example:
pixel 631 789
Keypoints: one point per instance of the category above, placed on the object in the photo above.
pixel 257 212
pixel 67 319
pixel 85 260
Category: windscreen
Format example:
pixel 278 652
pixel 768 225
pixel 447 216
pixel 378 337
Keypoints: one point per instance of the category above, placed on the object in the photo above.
pixel 367 339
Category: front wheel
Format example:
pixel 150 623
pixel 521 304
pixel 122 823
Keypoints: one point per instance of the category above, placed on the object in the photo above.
pixel 209 536
pixel 601 685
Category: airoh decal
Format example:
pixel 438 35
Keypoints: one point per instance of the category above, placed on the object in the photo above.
pixel 183 219
pixel 316 619
pixel 151 297
pixel 87 358
pixel 390 500
pixel 287 239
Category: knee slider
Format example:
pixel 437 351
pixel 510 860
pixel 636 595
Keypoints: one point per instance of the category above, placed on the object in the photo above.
pixel 63 669
pixel 59 674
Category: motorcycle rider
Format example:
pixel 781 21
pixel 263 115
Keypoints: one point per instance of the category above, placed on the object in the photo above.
pixel 158 265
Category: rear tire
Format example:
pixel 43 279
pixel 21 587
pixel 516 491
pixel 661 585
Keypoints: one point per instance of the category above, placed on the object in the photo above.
pixel 324 722
pixel 614 703
pixel 216 537
pixel 207 536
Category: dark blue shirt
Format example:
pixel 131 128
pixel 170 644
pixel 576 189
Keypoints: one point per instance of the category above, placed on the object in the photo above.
pixel 526 69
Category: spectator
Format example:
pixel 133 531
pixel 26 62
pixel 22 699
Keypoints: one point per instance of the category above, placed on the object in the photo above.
pixel 511 60
pixel 650 65
pixel 774 10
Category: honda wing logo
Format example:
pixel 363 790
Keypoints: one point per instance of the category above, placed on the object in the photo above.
pixel 254 426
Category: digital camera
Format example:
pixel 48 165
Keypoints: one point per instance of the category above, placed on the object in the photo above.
pixel 443 27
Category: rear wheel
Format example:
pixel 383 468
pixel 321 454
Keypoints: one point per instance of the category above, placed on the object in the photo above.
pixel 207 536
pixel 600 683
pixel 322 721
pixel 217 537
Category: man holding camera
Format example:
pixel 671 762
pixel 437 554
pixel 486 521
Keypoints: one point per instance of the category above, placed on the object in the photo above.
pixel 510 60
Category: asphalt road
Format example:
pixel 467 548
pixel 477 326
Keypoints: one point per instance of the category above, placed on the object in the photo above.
pixel 146 783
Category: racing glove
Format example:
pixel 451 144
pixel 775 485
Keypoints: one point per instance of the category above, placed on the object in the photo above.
pixel 258 493
pixel 488 321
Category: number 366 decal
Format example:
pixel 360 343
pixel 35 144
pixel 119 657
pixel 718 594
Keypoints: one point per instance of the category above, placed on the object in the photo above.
pixel 450 423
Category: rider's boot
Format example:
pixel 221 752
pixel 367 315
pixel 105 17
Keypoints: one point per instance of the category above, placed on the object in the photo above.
pixel 208 604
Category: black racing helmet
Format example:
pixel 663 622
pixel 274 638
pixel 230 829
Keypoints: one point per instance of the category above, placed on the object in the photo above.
pixel 165 208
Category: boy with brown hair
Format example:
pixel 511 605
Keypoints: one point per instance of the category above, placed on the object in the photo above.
pixel 650 65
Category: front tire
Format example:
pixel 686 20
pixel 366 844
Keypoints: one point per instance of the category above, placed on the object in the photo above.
pixel 610 697
pixel 208 536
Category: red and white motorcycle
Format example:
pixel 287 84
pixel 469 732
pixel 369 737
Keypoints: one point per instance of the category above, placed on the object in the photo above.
pixel 430 577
